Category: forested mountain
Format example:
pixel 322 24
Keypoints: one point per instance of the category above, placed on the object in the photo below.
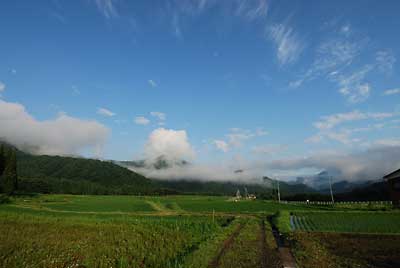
pixel 56 174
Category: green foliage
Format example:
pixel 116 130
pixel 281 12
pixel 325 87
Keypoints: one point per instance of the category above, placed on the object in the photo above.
pixel 8 170
pixel 282 221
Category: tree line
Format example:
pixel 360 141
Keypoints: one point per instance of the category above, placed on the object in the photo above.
pixel 8 170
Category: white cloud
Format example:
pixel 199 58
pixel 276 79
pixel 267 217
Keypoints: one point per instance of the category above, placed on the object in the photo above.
pixel 105 112
pixel 173 145
pixel 391 91
pixel 13 71
pixel 141 120
pixel 107 8
pixel 2 87
pixel 64 135
pixel 288 45
pixel 161 116
pixel 221 145
pixel 152 83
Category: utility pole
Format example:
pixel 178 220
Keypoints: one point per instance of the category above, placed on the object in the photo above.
pixel 330 186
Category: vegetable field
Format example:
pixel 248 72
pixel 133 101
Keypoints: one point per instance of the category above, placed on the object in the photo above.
pixel 355 222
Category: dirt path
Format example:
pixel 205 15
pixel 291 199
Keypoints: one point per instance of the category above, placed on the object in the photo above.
pixel 226 245
pixel 285 253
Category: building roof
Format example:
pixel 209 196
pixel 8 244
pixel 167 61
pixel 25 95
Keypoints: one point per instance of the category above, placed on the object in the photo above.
pixel 394 174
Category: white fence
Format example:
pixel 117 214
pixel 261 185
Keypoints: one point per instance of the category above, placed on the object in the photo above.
pixel 338 203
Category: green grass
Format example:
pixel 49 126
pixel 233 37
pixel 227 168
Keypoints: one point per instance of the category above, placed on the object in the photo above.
pixel 88 203
pixel 202 257
pixel 246 248
pixel 355 222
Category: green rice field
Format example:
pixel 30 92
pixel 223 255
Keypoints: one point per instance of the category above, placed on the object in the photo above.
pixel 165 232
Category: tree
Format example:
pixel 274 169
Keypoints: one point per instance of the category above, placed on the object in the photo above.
pixel 2 164
pixel 10 177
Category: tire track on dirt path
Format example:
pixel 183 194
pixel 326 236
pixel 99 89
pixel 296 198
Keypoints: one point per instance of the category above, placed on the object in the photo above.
pixel 226 245
pixel 264 260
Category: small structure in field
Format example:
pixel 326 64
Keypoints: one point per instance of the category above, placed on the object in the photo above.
pixel 238 196
pixel 393 183
pixel 252 197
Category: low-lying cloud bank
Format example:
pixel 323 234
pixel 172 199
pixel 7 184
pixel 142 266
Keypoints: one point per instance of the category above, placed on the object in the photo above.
pixel 368 164
pixel 65 135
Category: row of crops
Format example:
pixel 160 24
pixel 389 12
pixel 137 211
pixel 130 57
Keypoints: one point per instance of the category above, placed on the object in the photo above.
pixel 29 240
pixel 357 222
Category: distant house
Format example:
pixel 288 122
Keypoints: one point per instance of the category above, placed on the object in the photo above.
pixel 393 182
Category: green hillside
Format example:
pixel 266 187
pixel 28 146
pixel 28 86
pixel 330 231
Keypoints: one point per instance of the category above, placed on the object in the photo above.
pixel 56 174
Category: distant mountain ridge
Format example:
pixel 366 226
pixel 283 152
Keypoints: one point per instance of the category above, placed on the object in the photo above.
pixel 58 174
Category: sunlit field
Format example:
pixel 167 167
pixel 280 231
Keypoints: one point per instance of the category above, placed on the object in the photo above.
pixel 172 231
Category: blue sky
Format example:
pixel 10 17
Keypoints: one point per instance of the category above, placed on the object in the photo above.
pixel 253 80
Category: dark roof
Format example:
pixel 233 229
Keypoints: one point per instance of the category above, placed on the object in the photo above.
pixel 390 174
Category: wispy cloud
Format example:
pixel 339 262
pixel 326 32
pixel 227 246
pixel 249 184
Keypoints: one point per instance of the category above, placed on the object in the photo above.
pixel 152 83
pixel 336 60
pixel 328 126
pixel 330 121
pixel 58 17
pixel 353 86
pixel 332 56
pixel 180 12
pixel 75 91
pixel 391 91
pixel 269 149
pixel 161 116
pixel 105 112
pixel 385 60
pixel 141 120
pixel 2 86
pixel 253 9
pixel 236 137
pixel 221 145
pixel 107 8
pixel 388 142
pixel 288 44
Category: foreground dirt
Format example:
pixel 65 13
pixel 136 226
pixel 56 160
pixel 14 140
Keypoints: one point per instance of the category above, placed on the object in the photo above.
pixel 333 250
